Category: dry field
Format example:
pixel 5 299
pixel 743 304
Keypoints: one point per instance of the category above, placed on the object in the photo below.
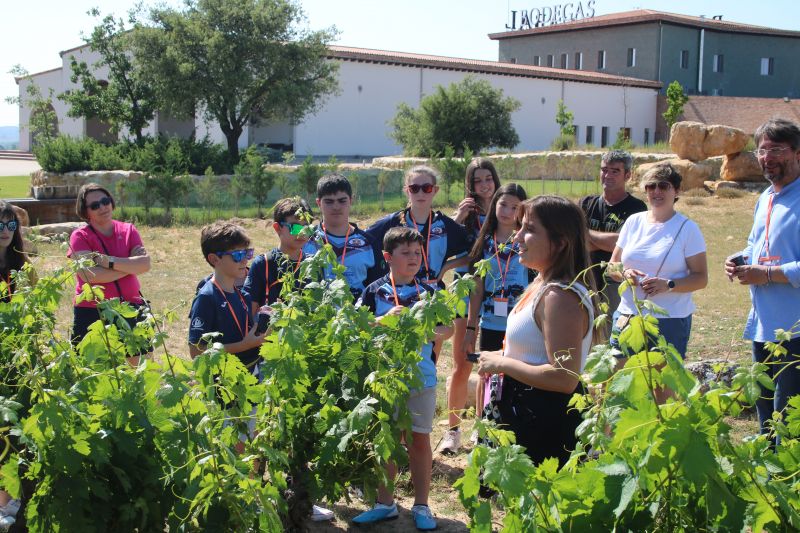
pixel 718 322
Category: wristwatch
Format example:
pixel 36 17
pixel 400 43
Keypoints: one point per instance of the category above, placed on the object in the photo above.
pixel 111 267
pixel 670 284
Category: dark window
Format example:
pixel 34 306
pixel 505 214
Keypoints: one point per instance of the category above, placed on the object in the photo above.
pixel 589 134
pixel 549 60
pixel 684 58
pixel 631 57
pixel 578 61
pixel 626 133
pixel 604 136
pixel 536 61
pixel 646 136
pixel 564 61
pixel 512 60
pixel 767 66
pixel 719 63
pixel 601 59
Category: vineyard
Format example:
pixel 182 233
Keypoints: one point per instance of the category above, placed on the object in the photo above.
pixel 93 444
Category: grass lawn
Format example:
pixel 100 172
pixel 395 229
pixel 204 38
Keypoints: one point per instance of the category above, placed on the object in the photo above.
pixel 177 266
pixel 15 186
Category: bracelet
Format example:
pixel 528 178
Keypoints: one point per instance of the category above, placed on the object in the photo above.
pixel 471 328
pixel 769 274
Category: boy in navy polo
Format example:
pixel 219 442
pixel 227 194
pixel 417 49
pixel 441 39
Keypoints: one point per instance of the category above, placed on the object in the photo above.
pixel 218 305
pixel 389 295
pixel 353 247
pixel 263 282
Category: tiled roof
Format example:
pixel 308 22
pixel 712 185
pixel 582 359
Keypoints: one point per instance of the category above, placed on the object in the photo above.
pixel 484 67
pixel 639 16
pixel 740 112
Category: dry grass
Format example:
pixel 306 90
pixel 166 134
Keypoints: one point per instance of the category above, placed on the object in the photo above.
pixel 717 329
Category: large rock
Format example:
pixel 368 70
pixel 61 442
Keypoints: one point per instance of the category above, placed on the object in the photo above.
pixel 742 166
pixel 724 140
pixel 687 139
pixel 693 174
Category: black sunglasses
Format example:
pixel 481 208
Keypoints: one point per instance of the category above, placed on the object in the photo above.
pixel 426 188
pixel 94 206
pixel 662 186
pixel 12 225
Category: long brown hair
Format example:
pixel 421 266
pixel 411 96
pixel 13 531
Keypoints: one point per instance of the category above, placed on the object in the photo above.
pixel 490 224
pixel 15 256
pixel 472 223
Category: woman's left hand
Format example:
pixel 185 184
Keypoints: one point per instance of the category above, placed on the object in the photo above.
pixel 490 363
pixel 653 286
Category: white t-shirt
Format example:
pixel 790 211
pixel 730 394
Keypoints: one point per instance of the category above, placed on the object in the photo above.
pixel 644 245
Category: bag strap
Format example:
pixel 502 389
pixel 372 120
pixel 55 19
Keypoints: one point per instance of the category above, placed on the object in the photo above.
pixel 685 220
pixel 105 250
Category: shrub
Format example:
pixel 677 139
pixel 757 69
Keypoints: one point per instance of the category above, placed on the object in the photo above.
pixel 726 192
pixel 563 142
pixel 64 154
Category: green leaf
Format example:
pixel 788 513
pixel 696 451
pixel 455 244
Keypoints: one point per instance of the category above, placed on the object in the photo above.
pixel 9 476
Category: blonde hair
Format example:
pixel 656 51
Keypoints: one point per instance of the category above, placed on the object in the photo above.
pixel 421 169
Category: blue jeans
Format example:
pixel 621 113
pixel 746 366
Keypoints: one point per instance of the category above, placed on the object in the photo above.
pixel 675 330
pixel 785 372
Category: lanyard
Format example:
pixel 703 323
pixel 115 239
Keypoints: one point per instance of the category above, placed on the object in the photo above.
pixel 346 237
pixel 230 308
pixel 278 278
pixel 766 233
pixel 503 274
pixel 427 242
pixel 394 288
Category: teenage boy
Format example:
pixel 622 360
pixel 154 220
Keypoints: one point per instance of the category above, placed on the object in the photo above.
pixel 219 306
pixel 263 282
pixel 353 247
pixel 388 295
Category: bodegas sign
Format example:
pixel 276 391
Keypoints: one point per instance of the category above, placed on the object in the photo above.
pixel 547 16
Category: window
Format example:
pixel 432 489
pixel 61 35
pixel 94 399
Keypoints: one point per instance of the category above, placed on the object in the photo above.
pixel 536 61
pixel 646 136
pixel 549 60
pixel 631 57
pixel 604 136
pixel 578 60
pixel 601 59
pixel 564 61
pixel 684 58
pixel 626 133
pixel 718 63
pixel 589 134
pixel 767 66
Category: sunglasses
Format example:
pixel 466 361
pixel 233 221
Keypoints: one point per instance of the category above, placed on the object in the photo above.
pixel 426 188
pixel 238 255
pixel 12 225
pixel 293 227
pixel 94 206
pixel 662 186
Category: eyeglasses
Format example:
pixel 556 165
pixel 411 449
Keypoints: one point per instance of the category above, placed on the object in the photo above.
pixel 12 225
pixel 94 206
pixel 238 255
pixel 778 150
pixel 426 188
pixel 662 186
pixel 293 227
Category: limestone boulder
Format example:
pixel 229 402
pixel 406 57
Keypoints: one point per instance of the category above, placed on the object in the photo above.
pixel 687 140
pixel 724 140
pixel 742 166
pixel 693 174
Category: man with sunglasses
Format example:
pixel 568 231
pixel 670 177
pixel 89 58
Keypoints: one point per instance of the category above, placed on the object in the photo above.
pixel 353 247
pixel 605 215
pixel 770 265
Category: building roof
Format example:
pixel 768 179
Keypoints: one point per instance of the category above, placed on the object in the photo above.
pixel 346 53
pixel 744 113
pixel 639 16
pixel 18 78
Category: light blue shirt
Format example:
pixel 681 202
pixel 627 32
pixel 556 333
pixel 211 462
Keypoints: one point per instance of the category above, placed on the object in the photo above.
pixel 775 305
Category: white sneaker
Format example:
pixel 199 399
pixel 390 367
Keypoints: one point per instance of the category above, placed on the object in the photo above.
pixel 451 442
pixel 320 514
pixel 473 438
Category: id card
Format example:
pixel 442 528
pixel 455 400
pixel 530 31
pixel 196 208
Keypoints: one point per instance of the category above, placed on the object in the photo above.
pixel 500 306
pixel 431 282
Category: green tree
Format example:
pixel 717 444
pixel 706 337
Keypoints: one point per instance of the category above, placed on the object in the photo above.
pixel 240 61
pixel 675 102
pixel 308 174
pixel 453 168
pixel 258 181
pixel 564 118
pixel 470 114
pixel 125 99
pixel 43 121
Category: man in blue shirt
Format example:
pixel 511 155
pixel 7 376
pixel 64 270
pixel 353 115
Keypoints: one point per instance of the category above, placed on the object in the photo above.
pixel 771 264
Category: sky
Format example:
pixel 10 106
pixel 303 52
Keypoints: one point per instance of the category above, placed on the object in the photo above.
pixel 35 31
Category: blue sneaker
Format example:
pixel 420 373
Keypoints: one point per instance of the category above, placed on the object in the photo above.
pixel 379 513
pixel 423 518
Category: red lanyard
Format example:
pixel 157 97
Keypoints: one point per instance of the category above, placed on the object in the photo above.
pixel 346 237
pixel 233 314
pixel 427 242
pixel 394 288
pixel 503 275
pixel 767 257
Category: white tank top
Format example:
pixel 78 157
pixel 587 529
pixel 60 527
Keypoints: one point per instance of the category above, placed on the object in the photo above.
pixel 524 339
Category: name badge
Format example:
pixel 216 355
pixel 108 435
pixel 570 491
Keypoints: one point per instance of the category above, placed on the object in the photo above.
pixel 500 306
pixel 772 260
pixel 431 282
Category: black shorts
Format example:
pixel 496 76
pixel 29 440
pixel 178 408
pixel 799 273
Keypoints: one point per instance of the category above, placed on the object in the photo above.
pixel 491 340
pixel 83 317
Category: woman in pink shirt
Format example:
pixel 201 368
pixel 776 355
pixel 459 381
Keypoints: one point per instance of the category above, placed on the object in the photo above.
pixel 117 252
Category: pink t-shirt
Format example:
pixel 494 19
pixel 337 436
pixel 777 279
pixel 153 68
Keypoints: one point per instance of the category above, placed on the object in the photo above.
pixel 124 239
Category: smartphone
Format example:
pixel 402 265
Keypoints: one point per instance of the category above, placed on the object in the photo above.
pixel 263 323
pixel 472 357
pixel 738 260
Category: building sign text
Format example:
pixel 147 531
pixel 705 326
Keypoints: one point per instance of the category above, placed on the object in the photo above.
pixel 547 16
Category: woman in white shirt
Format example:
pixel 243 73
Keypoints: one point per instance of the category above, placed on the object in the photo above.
pixel 549 331
pixel 663 256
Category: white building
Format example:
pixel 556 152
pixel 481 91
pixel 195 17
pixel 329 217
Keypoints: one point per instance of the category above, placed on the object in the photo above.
pixel 372 83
